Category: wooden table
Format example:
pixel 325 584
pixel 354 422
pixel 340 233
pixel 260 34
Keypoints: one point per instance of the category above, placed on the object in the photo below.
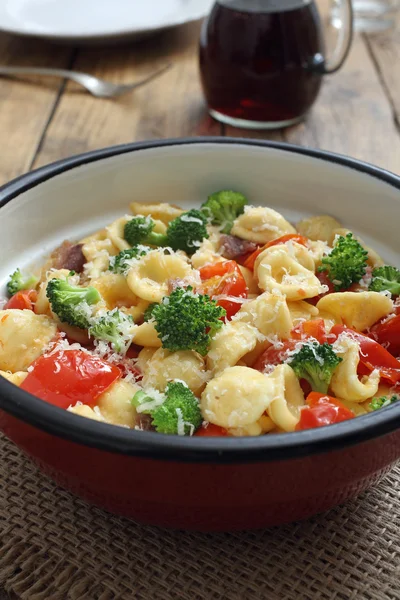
pixel 42 120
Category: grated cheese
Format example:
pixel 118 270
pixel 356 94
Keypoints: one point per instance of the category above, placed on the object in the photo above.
pixel 181 422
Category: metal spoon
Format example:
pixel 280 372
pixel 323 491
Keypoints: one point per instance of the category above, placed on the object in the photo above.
pixel 97 87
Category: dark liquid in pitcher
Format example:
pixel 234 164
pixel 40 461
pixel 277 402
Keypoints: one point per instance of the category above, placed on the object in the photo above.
pixel 260 66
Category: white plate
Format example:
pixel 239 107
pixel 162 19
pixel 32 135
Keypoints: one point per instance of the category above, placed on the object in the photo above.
pixel 91 20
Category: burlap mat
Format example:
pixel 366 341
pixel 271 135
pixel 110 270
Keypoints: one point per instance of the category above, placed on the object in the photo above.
pixel 56 547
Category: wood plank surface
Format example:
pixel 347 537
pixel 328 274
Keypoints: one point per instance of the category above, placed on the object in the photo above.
pixel 26 105
pixel 385 52
pixel 353 115
pixel 170 106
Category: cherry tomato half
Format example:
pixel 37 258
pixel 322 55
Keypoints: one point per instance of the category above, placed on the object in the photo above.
pixel 372 355
pixel 22 300
pixel 210 430
pixel 388 334
pixel 322 410
pixel 315 328
pixel 294 237
pixel 224 279
pixel 69 376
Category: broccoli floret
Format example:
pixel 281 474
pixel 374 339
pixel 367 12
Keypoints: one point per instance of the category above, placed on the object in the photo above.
pixel 139 230
pixel 346 264
pixel 222 208
pixel 383 401
pixel 72 303
pixel 120 263
pixel 20 281
pixel 186 321
pixel 179 414
pixel 115 328
pixel 386 278
pixel 316 363
pixel 187 231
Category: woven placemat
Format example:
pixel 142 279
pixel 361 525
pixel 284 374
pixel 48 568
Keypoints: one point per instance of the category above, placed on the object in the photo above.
pixel 56 547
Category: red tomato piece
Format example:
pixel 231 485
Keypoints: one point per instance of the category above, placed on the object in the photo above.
pixel 388 334
pixel 294 237
pixel 22 300
pixel 210 430
pixel 372 355
pixel 274 355
pixel 224 279
pixel 69 376
pixel 314 329
pixel 322 410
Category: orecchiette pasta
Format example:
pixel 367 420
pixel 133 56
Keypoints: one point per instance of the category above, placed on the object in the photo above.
pixel 148 279
pixel 115 404
pixel 230 344
pixel 319 228
pixel 269 313
pixel 302 311
pixel 16 378
pixel 115 290
pixel 146 335
pixel 161 212
pixel 345 381
pixel 238 397
pixel 23 338
pixel 288 398
pixel 97 254
pixel 358 310
pixel 206 254
pixel 83 410
pixel 288 271
pixel 250 280
pixel 185 365
pixel 261 225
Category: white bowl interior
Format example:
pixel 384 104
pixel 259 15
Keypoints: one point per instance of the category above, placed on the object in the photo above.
pixel 85 198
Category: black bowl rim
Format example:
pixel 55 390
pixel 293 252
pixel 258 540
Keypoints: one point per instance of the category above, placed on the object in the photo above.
pixel 110 438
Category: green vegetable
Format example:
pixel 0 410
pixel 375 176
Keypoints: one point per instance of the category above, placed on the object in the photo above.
pixel 115 328
pixel 346 264
pixel 139 230
pixel 183 233
pixel 120 263
pixel 316 363
pixel 222 208
pixel 386 278
pixel 179 414
pixel 187 231
pixel 20 281
pixel 377 403
pixel 185 320
pixel 72 303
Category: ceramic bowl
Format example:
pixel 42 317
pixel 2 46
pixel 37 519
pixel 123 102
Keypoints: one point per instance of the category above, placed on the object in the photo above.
pixel 198 483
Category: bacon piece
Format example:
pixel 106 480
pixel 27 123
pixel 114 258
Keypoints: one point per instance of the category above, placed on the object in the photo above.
pixel 143 422
pixel 68 256
pixel 231 247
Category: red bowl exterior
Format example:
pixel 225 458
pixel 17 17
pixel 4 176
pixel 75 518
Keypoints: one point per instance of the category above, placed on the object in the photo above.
pixel 207 497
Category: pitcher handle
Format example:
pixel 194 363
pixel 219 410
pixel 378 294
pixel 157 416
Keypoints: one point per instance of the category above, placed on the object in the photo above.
pixel 343 45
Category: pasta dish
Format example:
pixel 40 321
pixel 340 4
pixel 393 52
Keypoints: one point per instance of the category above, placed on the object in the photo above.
pixel 225 320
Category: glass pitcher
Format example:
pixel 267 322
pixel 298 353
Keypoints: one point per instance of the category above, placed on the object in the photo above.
pixel 262 61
